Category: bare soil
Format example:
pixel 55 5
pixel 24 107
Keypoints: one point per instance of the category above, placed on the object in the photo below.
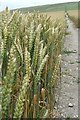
pixel 67 94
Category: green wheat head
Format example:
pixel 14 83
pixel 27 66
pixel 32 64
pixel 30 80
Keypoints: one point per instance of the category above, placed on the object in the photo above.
pixel 31 45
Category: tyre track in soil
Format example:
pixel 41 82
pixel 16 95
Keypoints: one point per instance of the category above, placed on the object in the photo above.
pixel 67 98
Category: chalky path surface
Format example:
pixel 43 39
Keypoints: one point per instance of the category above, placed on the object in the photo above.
pixel 68 98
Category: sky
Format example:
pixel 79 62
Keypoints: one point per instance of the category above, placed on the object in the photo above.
pixel 12 4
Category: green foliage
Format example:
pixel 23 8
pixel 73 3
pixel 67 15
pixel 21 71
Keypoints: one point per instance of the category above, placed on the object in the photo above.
pixel 30 60
pixel 53 7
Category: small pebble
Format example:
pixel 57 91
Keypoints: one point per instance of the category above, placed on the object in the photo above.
pixel 64 75
pixel 75 116
pixel 70 105
pixel 70 69
pixel 55 108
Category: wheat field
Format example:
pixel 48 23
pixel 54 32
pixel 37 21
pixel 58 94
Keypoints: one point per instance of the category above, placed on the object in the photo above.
pixel 31 46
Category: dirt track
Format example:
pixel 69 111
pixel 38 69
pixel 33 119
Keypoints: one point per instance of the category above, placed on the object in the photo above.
pixel 68 97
